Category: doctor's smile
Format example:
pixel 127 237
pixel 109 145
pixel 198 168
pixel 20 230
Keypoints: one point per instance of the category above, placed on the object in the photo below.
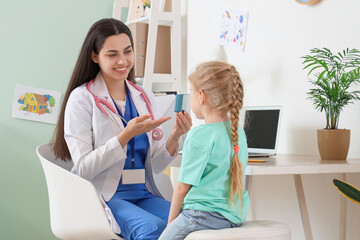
pixel 121 70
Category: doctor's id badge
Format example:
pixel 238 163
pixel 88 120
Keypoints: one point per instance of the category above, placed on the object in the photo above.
pixel 133 176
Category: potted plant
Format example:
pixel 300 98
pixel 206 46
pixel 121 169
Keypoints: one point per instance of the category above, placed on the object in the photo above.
pixel 333 89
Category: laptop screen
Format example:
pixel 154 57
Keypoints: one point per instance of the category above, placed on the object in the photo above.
pixel 261 126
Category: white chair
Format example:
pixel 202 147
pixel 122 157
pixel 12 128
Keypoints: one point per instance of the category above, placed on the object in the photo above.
pixel 76 210
pixel 251 230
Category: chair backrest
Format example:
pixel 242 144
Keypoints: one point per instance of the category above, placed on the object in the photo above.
pixel 76 211
pixel 163 183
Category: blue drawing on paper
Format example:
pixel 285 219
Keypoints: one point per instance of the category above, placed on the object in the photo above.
pixel 233 28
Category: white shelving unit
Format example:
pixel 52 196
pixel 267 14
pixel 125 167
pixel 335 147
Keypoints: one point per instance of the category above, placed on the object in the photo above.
pixel 157 16
pixel 173 19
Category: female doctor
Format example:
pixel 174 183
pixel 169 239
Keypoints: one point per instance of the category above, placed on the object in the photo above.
pixel 105 128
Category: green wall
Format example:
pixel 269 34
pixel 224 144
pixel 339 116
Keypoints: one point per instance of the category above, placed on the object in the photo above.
pixel 39 44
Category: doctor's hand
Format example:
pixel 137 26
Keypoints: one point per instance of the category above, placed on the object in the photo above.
pixel 139 125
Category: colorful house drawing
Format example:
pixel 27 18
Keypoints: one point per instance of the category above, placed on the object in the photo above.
pixel 36 103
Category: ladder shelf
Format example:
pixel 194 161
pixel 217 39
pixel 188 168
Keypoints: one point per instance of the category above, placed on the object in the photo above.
pixel 157 18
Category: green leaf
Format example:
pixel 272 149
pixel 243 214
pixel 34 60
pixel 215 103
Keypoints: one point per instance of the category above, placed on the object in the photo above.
pixel 313 69
pixel 347 190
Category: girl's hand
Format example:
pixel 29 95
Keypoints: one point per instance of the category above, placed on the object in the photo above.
pixel 137 126
pixel 183 124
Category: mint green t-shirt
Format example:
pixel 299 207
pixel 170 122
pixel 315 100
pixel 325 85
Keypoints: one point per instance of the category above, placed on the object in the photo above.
pixel 206 158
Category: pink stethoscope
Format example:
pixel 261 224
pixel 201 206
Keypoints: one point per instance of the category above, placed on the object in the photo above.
pixel 157 133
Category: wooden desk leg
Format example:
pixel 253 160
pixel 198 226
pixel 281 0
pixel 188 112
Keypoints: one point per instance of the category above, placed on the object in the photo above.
pixel 343 210
pixel 248 186
pixel 302 205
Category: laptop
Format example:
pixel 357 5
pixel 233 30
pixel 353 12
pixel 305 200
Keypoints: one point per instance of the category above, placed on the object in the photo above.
pixel 261 126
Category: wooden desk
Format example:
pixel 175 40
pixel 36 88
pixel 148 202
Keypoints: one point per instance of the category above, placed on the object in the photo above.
pixel 296 165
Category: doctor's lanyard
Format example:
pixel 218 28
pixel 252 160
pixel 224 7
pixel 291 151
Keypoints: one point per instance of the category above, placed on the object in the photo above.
pixel 132 141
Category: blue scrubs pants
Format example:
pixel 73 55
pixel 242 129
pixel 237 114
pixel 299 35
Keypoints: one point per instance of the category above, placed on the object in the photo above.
pixel 140 219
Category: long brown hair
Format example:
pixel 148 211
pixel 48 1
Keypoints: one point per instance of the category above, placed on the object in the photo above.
pixel 222 84
pixel 86 70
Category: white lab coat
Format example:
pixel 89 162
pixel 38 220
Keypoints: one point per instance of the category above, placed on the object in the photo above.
pixel 92 142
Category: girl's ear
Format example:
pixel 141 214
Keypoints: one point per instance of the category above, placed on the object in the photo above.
pixel 94 57
pixel 202 97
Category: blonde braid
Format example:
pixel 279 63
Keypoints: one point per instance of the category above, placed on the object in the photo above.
pixel 236 168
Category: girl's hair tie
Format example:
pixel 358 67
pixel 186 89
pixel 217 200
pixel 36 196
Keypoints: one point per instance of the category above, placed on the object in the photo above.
pixel 236 149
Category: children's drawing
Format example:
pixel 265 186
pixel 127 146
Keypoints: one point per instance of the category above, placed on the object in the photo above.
pixel 233 28
pixel 138 9
pixel 35 104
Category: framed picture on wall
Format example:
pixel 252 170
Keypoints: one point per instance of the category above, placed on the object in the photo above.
pixel 138 9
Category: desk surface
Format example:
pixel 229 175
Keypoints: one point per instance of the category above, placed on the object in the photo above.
pixel 283 164
pixel 301 164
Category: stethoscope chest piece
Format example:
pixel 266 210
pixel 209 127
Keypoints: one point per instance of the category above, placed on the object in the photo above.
pixel 157 134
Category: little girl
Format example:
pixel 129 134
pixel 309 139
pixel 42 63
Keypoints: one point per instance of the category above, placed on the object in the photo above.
pixel 210 191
